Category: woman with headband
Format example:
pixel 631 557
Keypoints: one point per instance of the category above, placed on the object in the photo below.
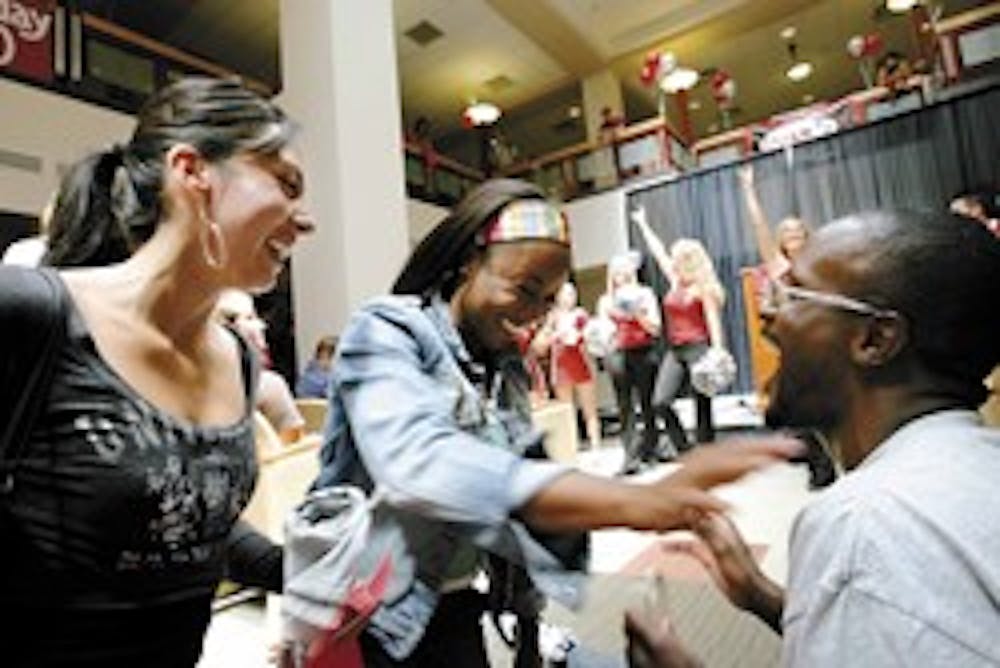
pixel 429 405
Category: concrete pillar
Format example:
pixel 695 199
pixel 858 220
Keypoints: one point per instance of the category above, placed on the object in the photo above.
pixel 600 89
pixel 338 63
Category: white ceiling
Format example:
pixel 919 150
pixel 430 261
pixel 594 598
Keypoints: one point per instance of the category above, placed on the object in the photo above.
pixel 440 79
pixel 616 27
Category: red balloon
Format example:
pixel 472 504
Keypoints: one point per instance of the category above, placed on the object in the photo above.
pixel 719 78
pixel 647 75
pixel 873 43
pixel 653 58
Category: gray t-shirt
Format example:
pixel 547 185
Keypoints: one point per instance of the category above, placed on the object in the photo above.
pixel 898 564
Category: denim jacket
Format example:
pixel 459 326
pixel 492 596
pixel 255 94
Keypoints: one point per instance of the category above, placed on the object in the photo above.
pixel 409 411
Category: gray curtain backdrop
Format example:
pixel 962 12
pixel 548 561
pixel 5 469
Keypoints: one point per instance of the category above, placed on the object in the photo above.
pixel 917 161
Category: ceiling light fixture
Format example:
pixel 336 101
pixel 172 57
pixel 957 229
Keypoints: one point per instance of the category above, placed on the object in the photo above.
pixel 800 69
pixel 479 114
pixel 681 78
pixel 900 6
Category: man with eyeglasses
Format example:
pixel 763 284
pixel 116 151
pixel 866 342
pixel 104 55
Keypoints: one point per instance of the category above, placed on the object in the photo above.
pixel 886 330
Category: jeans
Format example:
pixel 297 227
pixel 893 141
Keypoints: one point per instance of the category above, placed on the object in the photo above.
pixel 454 637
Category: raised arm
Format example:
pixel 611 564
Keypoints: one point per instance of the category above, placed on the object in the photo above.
pixel 654 243
pixel 766 244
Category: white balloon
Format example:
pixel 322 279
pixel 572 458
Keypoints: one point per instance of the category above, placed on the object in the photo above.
pixel 728 89
pixel 668 63
pixel 856 46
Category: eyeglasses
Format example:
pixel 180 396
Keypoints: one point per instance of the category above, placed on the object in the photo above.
pixel 777 294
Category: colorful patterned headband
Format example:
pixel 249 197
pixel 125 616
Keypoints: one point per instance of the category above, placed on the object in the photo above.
pixel 527 219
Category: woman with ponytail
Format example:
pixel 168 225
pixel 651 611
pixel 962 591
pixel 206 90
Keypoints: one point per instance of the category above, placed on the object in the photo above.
pixel 119 506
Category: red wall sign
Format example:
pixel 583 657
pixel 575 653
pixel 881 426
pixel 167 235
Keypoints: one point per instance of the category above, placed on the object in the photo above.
pixel 26 37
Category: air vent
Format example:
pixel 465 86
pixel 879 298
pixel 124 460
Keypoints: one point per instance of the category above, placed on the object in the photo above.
pixel 424 33
pixel 499 83
pixel 22 161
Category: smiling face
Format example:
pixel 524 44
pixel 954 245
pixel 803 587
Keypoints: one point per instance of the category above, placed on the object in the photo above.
pixel 507 286
pixel 811 387
pixel 689 258
pixel 258 207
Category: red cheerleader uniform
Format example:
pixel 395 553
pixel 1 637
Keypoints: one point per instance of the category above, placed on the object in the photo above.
pixel 569 362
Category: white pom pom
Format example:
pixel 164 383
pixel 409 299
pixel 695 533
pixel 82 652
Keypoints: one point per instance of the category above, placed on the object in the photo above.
pixel 713 372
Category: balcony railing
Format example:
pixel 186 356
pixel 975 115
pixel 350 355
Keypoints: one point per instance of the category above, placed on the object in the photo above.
pixel 100 61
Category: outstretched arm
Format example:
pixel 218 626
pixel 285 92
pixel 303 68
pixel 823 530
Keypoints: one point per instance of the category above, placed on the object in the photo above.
pixel 577 501
pixel 766 244
pixel 654 243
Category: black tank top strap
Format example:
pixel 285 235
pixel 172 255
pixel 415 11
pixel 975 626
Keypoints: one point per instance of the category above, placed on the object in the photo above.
pixel 249 366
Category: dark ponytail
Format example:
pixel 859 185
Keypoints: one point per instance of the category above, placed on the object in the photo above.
pixel 85 194
pixel 434 264
pixel 111 202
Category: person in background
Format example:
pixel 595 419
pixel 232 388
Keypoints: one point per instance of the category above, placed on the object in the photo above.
pixel 777 256
pixel 429 405
pixel 776 253
pixel 980 206
pixel 884 345
pixel 893 71
pixel 633 308
pixel 314 381
pixel 534 358
pixel 693 308
pixel 571 372
pixel 274 398
pixel 29 252
pixel 120 511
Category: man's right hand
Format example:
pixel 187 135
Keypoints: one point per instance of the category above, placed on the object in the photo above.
pixel 727 558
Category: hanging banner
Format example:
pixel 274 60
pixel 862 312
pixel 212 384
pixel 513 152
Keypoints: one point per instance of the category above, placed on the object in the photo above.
pixel 797 127
pixel 26 38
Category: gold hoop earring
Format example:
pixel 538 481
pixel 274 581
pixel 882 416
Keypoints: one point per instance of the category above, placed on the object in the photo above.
pixel 213 244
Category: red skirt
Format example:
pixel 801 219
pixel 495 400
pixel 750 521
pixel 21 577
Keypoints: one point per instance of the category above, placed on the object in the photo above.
pixel 570 366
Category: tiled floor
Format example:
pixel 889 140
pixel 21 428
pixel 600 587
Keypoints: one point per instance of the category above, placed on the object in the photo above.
pixel 764 505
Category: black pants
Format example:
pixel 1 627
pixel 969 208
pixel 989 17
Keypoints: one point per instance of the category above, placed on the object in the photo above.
pixel 633 371
pixel 674 372
pixel 454 637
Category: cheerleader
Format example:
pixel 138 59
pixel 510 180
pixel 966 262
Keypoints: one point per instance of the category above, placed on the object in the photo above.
pixel 570 367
